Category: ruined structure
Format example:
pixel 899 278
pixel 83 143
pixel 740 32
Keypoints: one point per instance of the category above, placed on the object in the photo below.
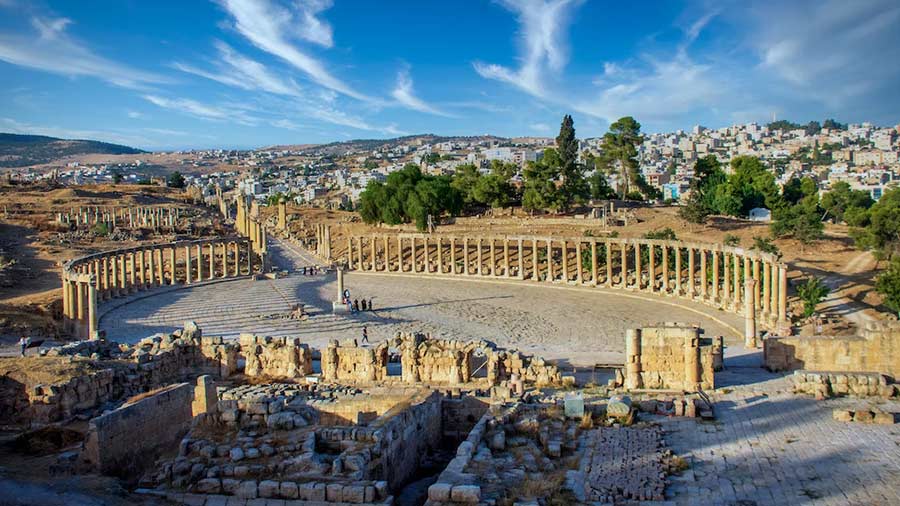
pixel 101 276
pixel 876 349
pixel 153 217
pixel 672 357
pixel 706 273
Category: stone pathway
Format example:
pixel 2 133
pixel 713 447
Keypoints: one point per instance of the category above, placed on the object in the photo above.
pixel 583 326
pixel 770 447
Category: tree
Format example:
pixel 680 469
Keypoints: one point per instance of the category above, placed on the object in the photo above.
pixel 812 293
pixel 600 188
pixel 370 164
pixel 431 158
pixel 116 177
pixel 749 186
pixel 465 180
pixel 803 221
pixel 765 245
pixel 408 195
pixel 495 189
pixel 813 128
pixel 888 285
pixel 833 125
pixel 708 176
pixel 573 186
pixel 842 201
pixel 175 180
pixel 541 191
pixel 881 232
pixel 619 146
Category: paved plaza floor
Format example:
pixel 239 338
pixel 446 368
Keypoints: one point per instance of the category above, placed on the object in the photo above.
pixel 581 325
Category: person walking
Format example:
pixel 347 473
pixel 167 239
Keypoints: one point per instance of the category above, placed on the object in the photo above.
pixel 23 343
pixel 365 337
pixel 364 306
pixel 355 304
pixel 371 307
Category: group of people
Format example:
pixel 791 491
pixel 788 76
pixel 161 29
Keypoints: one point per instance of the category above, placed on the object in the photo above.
pixel 356 305
pixel 310 271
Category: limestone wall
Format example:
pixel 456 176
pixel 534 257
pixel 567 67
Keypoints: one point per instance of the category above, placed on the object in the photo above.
pixel 405 434
pixel 280 357
pixel 876 349
pixel 125 440
pixel 671 357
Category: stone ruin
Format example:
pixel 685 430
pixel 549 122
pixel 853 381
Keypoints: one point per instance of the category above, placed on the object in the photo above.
pixel 424 360
pixel 671 356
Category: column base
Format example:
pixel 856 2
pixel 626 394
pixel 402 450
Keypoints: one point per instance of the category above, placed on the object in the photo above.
pixel 338 307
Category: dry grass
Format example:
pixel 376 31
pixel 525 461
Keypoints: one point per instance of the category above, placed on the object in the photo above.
pixel 33 370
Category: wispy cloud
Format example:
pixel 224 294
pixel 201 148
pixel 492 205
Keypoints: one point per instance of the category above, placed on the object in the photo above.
pixel 135 115
pixel 405 95
pixel 48 47
pixel 235 69
pixel 285 124
pixel 271 28
pixel 542 43
pixel 202 111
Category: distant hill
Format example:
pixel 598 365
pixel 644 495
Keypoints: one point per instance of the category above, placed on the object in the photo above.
pixel 23 150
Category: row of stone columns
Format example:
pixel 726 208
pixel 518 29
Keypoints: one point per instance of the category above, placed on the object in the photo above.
pixel 121 272
pixel 323 241
pixel 248 224
pixel 131 217
pixel 716 275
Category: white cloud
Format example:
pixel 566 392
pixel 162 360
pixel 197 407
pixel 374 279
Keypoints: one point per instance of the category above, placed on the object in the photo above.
pixel 235 69
pixel 542 45
pixel 202 111
pixel 312 28
pixel 270 27
pixel 540 127
pixel 834 50
pixel 404 94
pixel 135 115
pixel 49 48
pixel 285 124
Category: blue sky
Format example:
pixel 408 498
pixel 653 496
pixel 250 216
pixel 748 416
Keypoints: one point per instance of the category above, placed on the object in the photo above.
pixel 248 73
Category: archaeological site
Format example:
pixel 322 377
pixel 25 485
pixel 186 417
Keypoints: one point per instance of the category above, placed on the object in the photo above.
pixel 223 353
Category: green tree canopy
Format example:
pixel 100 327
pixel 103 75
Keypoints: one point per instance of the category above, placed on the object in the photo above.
pixel 844 204
pixel 175 180
pixel 408 195
pixel 619 147
pixel 541 190
pixel 881 232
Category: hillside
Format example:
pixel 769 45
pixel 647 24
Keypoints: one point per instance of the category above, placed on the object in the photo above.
pixel 23 150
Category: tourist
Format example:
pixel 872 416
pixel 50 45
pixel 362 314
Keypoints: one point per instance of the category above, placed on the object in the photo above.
pixel 365 338
pixel 355 304
pixel 371 307
pixel 23 343
pixel 364 305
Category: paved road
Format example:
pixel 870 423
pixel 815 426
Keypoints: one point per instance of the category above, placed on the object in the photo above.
pixel 584 326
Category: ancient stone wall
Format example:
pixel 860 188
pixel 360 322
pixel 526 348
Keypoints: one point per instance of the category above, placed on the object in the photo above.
pixel 125 440
pixel 428 361
pixel 278 357
pixel 405 434
pixel 876 349
pixel 669 357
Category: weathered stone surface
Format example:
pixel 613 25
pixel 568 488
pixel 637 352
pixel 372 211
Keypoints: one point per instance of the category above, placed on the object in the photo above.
pixel 618 406
pixel 466 494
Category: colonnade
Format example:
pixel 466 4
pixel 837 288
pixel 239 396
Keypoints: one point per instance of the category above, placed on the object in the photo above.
pixel 323 242
pixel 131 217
pixel 746 282
pixel 90 279
pixel 248 224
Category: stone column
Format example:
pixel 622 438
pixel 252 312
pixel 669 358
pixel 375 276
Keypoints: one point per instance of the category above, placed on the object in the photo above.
pixel 224 259
pixel 386 246
pixel 212 261
pixel 160 267
pixel 691 289
pixel 493 257
pixel 399 254
pixel 756 299
pixel 609 269
pixel 704 275
pixel 506 256
pixel 453 269
pixel 199 262
pixel 79 302
pixel 466 268
pixel 440 255
pixel 151 267
pixel 677 270
pixel 565 260
pixel 340 284
pixel 521 258
pixel 726 285
pixel 132 274
pixel 624 266
pixel 651 268
pixel 691 363
pixel 550 273
pixel 65 296
pixel 235 250
pixel 187 265
pixel 766 289
pixel 374 247
pixel 479 258
pixel 782 294
pixel 579 275
pixel 359 253
pixel 715 273
pixel 92 310
pixel 426 255
pixel 594 262
pixel 749 314
pixel 736 260
pixel 349 252
pixel 665 268
pixel 633 367
pixel 638 277
pixel 104 275
pixel 535 267
pixel 172 265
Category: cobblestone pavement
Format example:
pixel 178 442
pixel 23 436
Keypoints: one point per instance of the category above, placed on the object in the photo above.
pixel 769 446
pixel 584 326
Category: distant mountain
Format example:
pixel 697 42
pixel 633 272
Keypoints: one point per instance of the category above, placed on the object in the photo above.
pixel 23 150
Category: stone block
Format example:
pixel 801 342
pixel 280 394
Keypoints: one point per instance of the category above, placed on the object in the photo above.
pixel 884 419
pixel 863 416
pixel 247 490
pixel 842 415
pixel 354 494
pixel 208 486
pixel 334 492
pixel 618 406
pixel 469 494
pixel 574 405
pixel 269 488
pixel 439 492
